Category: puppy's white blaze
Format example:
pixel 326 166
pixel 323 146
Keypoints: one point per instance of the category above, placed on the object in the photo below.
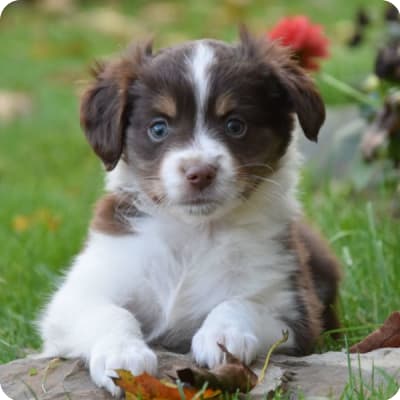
pixel 202 58
pixel 215 152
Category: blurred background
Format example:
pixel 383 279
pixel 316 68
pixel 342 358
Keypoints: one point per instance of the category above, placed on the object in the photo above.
pixel 49 177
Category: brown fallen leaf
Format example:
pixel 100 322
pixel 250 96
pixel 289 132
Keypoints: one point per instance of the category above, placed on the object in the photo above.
pixel 162 13
pixel 57 6
pixel 147 387
pixel 108 21
pixel 14 105
pixel 388 335
pixel 231 377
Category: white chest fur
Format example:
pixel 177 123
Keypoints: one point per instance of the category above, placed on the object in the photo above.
pixel 171 275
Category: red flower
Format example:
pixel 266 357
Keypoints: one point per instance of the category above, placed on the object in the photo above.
pixel 306 39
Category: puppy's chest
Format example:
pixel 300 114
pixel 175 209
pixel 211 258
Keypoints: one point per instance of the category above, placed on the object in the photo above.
pixel 224 258
pixel 189 272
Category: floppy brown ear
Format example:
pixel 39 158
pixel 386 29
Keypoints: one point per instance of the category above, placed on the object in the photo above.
pixel 307 102
pixel 103 111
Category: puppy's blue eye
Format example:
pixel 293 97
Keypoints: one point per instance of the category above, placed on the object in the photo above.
pixel 235 127
pixel 158 130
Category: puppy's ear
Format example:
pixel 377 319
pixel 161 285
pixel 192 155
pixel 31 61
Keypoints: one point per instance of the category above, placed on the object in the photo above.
pixel 104 104
pixel 307 102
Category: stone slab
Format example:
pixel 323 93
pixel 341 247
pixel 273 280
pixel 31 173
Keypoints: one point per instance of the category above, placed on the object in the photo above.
pixel 316 376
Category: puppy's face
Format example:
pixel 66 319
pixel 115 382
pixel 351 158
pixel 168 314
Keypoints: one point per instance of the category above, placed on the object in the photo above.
pixel 203 124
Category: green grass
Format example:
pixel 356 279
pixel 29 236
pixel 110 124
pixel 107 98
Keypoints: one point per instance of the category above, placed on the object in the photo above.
pixel 379 386
pixel 364 234
pixel 49 178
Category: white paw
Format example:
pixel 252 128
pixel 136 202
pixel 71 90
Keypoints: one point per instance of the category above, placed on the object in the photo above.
pixel 107 356
pixel 206 351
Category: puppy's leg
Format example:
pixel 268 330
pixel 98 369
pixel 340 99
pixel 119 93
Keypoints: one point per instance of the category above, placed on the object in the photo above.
pixel 244 327
pixel 325 272
pixel 120 347
pixel 86 317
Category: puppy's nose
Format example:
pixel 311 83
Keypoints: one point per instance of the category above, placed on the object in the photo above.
pixel 200 176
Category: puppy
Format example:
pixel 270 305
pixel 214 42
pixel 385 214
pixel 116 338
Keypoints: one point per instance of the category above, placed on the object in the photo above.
pixel 199 238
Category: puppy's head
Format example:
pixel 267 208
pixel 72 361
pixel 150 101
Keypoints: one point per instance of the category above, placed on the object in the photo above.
pixel 201 125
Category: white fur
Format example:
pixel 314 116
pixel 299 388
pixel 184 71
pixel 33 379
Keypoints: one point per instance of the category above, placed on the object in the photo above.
pixel 199 65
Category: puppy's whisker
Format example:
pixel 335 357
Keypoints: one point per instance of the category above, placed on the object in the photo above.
pixel 263 165
pixel 151 178
pixel 263 178
pixel 254 183
pixel 270 195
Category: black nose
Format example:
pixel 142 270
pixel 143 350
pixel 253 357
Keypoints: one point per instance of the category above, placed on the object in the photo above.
pixel 200 176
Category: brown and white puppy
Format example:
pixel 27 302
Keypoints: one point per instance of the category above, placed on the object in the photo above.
pixel 198 240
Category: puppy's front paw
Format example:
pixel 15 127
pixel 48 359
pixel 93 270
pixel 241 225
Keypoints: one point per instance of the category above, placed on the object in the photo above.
pixel 107 356
pixel 243 345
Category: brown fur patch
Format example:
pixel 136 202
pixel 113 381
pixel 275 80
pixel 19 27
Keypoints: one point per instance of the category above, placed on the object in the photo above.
pixel 166 105
pixel 111 213
pixel 315 282
pixel 103 111
pixel 224 104
pixel 325 271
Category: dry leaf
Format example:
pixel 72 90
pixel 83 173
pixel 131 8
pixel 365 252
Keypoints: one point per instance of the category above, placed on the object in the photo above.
pixel 388 335
pixel 161 13
pixel 14 105
pixel 47 218
pixel 147 387
pixel 230 377
pixel 110 22
pixel 21 223
pixel 42 216
pixel 233 376
pixel 57 6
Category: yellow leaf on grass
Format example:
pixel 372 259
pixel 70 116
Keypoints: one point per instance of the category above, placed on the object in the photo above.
pixel 42 216
pixel 21 223
pixel 47 218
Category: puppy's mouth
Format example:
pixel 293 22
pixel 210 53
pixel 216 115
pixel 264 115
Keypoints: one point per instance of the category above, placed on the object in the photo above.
pixel 213 202
pixel 198 202
pixel 199 206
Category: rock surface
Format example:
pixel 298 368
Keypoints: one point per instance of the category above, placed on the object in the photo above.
pixel 316 376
